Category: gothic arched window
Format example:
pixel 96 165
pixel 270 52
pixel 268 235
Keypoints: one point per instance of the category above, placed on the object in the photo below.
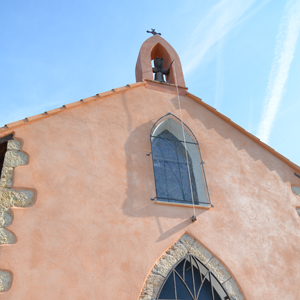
pixel 191 280
pixel 178 166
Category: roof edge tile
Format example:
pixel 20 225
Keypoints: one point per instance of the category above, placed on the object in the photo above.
pixel 54 111
pixel 89 99
pixel 17 123
pixel 73 104
pixel 36 117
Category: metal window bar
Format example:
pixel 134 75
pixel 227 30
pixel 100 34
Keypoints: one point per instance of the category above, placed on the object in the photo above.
pixel 158 137
pixel 181 201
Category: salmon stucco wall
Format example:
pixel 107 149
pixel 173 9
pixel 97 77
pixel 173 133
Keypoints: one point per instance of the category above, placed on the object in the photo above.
pixel 94 233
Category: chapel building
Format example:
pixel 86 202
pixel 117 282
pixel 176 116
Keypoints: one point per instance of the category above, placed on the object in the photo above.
pixel 145 192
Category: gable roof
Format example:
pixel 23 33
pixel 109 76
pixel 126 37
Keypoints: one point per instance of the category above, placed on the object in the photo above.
pixel 8 128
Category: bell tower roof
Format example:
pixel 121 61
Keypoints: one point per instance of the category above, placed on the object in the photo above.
pixel 156 47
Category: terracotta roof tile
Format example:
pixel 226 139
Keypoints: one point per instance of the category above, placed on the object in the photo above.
pixel 121 89
pixel 93 98
pixel 131 85
pixel 73 104
pixel 17 123
pixel 54 111
pixel 105 94
pixel 36 117
pixel 3 128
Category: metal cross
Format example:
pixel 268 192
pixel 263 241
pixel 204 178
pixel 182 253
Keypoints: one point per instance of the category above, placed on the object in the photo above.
pixel 153 32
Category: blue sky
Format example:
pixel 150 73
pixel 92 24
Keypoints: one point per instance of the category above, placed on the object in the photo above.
pixel 241 57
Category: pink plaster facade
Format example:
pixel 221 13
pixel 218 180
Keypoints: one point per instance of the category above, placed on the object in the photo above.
pixel 94 233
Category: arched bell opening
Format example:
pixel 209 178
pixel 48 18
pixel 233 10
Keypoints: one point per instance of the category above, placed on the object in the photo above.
pixel 160 53
pixel 154 47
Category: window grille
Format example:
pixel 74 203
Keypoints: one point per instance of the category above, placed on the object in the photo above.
pixel 177 176
pixel 191 280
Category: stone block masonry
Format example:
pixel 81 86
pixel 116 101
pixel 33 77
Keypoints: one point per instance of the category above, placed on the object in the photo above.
pixel 10 197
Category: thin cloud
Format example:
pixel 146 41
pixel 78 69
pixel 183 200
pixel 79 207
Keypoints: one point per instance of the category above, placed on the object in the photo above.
pixel 284 54
pixel 223 17
pixel 219 76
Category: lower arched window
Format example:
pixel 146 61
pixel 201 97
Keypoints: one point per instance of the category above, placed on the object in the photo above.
pixel 191 280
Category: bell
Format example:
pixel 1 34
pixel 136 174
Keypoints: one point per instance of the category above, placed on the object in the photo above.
pixel 159 77
pixel 159 69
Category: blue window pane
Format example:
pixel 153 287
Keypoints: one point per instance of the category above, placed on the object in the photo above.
pixel 205 293
pixel 163 149
pixel 173 181
pixel 168 291
pixel 170 169
pixel 182 291
pixel 185 182
pixel 160 178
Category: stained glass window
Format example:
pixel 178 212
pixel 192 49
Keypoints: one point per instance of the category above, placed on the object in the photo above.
pixel 172 166
pixel 177 163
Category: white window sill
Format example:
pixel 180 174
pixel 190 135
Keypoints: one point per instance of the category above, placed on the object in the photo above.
pixel 201 205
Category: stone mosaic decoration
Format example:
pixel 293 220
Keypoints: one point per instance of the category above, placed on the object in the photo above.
pixel 10 197
pixel 186 244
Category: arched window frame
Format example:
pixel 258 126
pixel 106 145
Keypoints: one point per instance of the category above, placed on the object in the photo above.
pixel 187 245
pixel 174 125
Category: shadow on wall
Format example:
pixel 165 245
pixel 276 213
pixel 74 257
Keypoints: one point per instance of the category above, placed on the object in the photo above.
pixel 141 186
pixel 140 180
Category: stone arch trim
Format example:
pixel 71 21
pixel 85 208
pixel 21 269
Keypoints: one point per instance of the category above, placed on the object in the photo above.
pixel 10 197
pixel 143 69
pixel 186 244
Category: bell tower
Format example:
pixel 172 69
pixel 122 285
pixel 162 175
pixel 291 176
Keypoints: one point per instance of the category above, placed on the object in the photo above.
pixel 166 62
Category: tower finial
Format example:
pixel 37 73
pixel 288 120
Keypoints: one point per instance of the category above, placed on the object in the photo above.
pixel 153 32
